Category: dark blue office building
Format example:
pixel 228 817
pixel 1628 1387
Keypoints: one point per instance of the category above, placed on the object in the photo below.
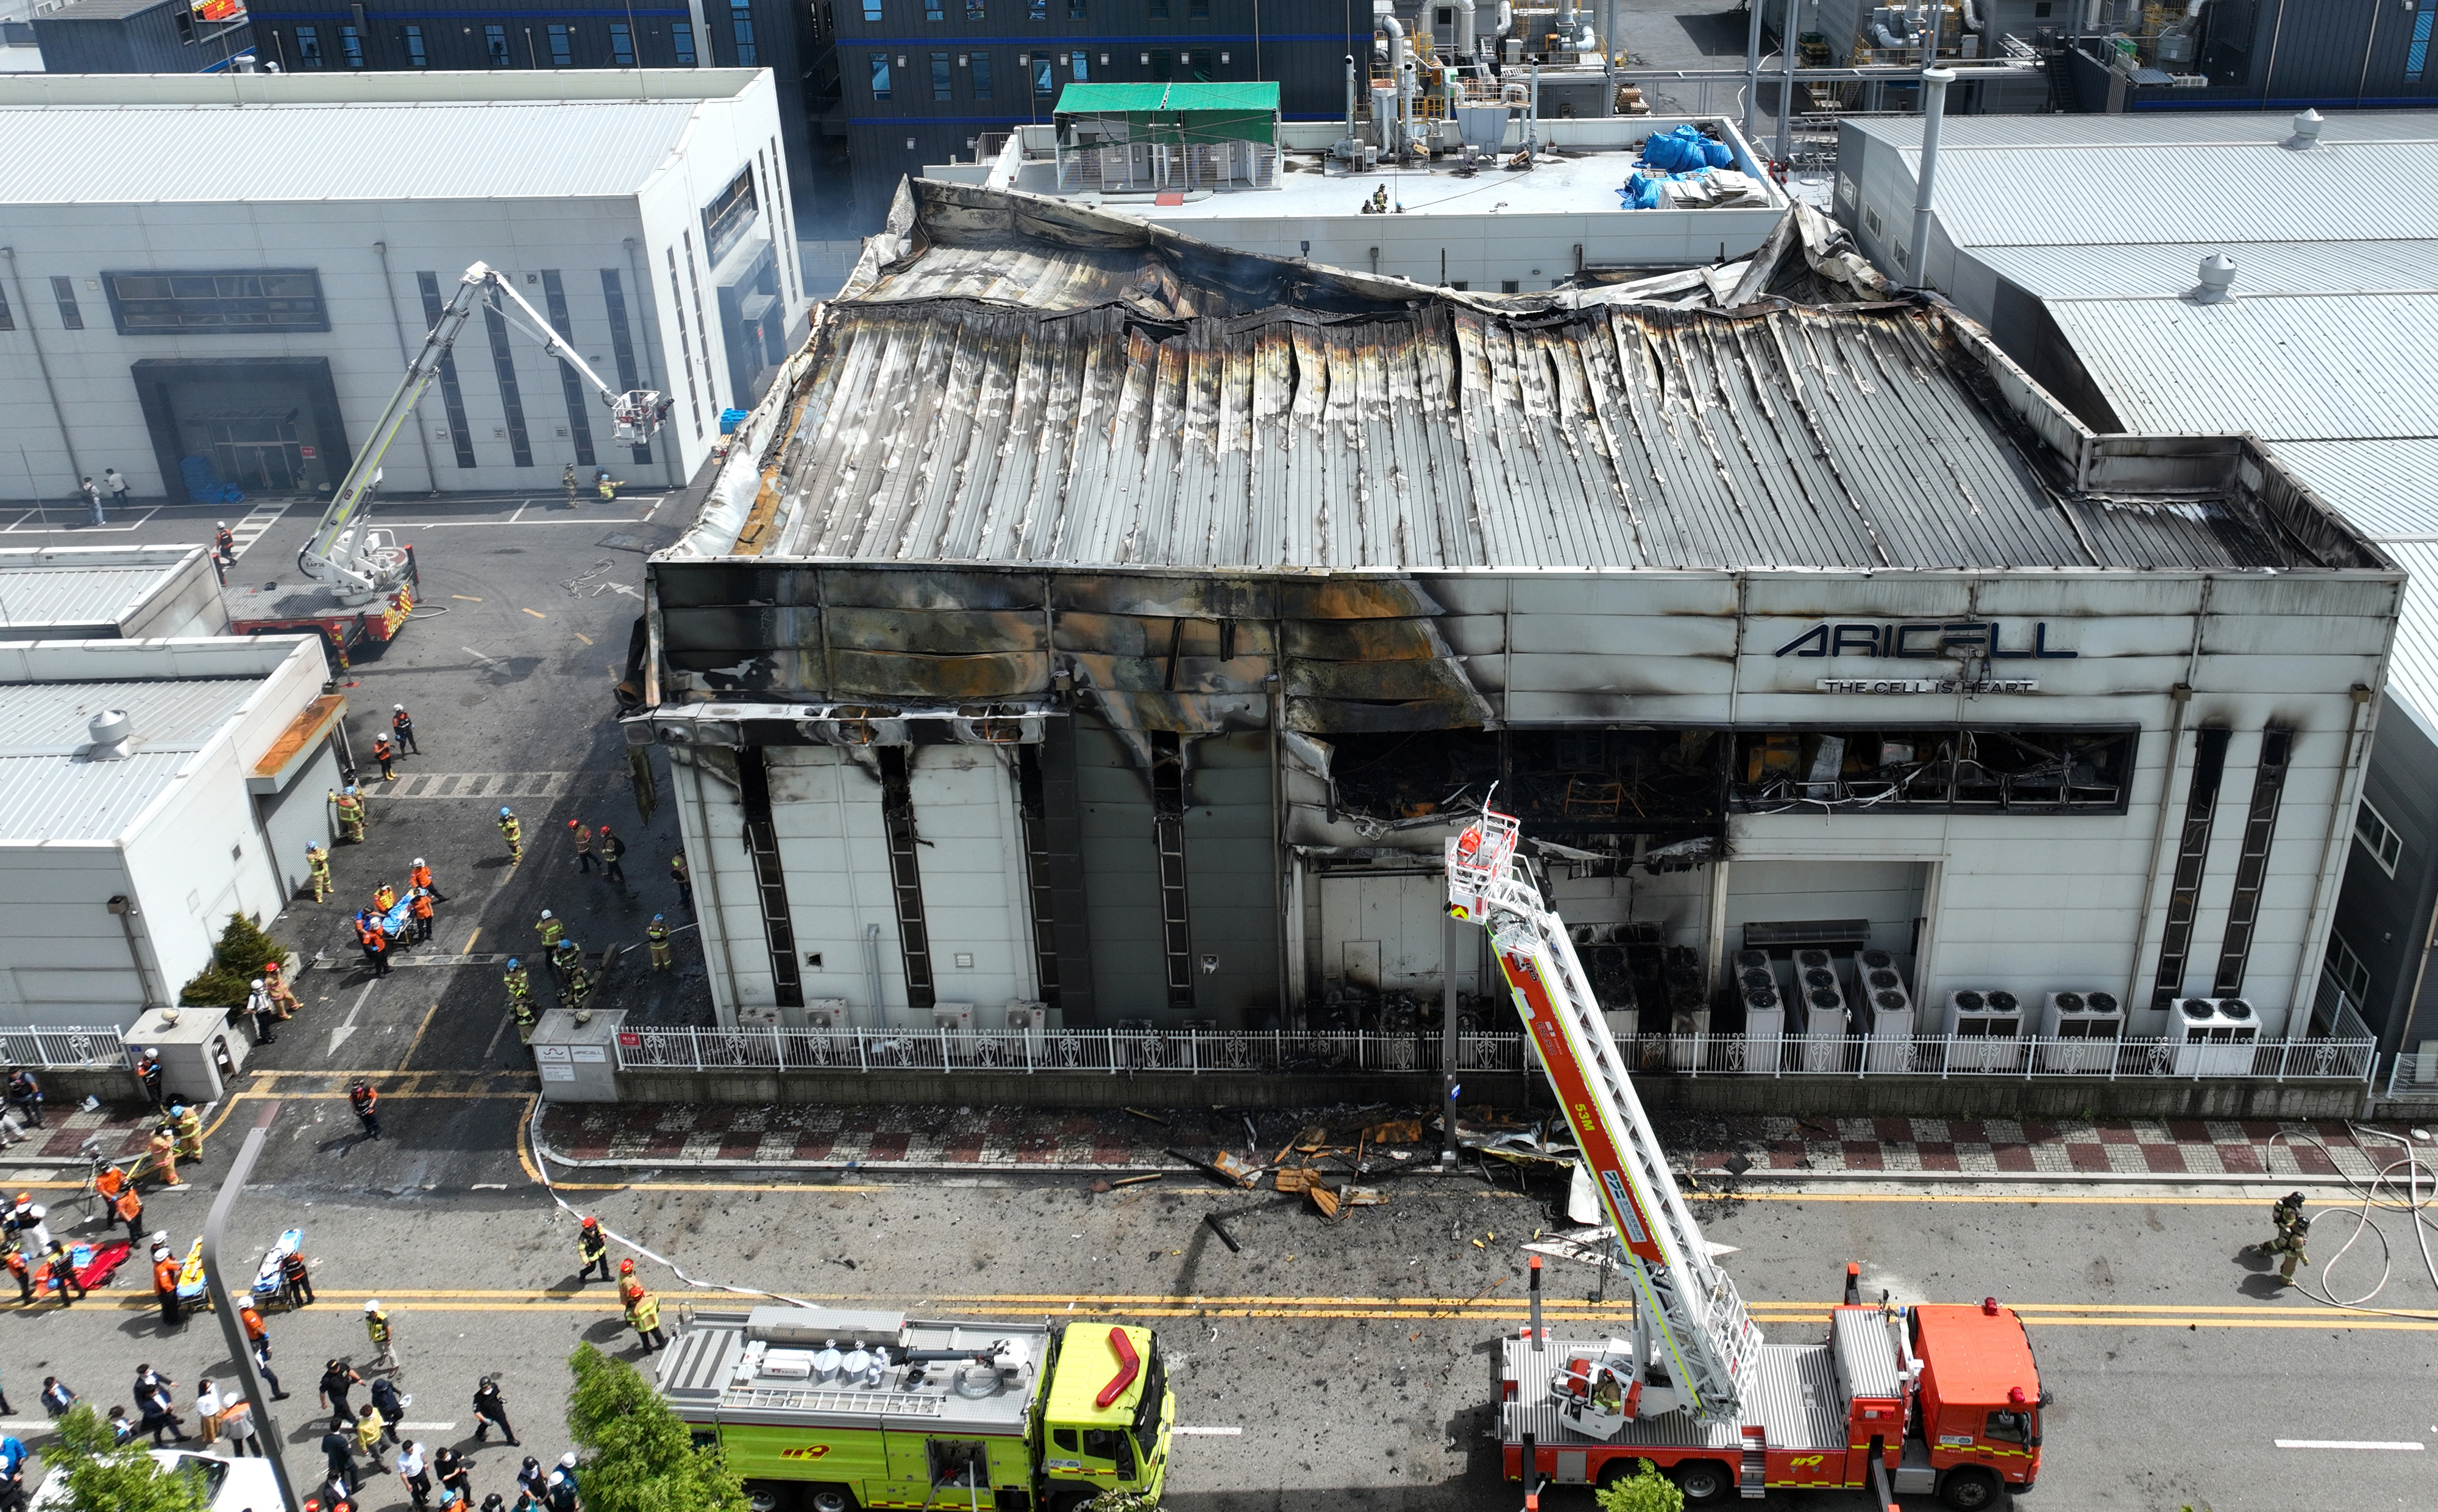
pixel 140 36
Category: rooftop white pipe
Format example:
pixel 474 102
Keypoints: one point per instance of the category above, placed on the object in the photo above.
pixel 1933 111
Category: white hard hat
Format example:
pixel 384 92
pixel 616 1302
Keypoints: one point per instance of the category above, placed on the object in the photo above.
pixel 400 707
pixel 419 860
pixel 257 984
pixel 545 913
pixel 568 1459
pixel 220 524
pixel 374 1305
pixel 152 1055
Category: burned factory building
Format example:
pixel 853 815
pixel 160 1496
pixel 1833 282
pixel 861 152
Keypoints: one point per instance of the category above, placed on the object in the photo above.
pixel 1095 628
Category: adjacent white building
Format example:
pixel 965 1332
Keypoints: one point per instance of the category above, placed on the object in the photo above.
pixel 109 593
pixel 149 789
pixel 220 278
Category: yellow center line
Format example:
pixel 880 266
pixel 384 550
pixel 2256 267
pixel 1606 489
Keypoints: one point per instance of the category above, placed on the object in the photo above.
pixel 465 598
pixel 538 614
pixel 581 636
pixel 470 942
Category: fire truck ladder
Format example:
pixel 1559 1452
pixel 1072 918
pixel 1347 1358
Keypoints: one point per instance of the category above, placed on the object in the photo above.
pixel 1689 1317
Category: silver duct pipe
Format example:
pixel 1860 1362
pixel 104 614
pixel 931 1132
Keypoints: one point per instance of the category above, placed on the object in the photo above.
pixel 1466 24
pixel 1786 86
pixel 1752 75
pixel 1392 134
pixel 1347 146
pixel 1933 111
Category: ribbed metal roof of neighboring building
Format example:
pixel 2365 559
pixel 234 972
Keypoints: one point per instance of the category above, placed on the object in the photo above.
pixel 51 790
pixel 98 10
pixel 2388 491
pixel 39 595
pixel 2282 369
pixel 187 153
pixel 2236 129
pixel 2169 269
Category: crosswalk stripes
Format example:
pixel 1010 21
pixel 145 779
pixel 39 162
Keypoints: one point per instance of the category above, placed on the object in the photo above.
pixel 496 786
pixel 257 521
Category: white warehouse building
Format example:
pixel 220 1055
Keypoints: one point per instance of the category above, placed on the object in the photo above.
pixel 217 280
pixel 1139 666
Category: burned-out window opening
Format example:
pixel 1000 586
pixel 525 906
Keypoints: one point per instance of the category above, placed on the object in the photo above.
pixel 906 873
pixel 2192 855
pixel 1032 814
pixel 770 877
pixel 2033 769
pixel 2252 864
pixel 1593 781
pixel 1168 793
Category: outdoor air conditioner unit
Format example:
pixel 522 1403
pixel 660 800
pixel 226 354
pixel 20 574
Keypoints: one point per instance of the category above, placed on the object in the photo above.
pixel 952 1018
pixel 2079 1031
pixel 1886 1011
pixel 828 1015
pixel 2214 1036
pixel 1764 1000
pixel 1030 1019
pixel 1825 1023
pixel 757 1016
pixel 1988 1031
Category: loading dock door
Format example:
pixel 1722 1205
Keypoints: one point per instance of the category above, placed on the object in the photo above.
pixel 1380 932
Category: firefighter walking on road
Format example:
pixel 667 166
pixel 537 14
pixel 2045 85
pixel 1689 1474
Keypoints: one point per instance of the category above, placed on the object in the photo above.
pixel 513 833
pixel 593 1249
pixel 366 1103
pixel 350 810
pixel 402 725
pixel 656 934
pixel 575 991
pixel 549 927
pixel 521 1006
pixel 2284 1214
pixel 2289 1244
pixel 613 850
pixel 418 905
pixel 317 861
pixel 583 838
pixel 190 1125
pixel 383 1337
pixel 642 1309
pixel 686 883
pixel 282 996
pixel 566 956
pixel 421 877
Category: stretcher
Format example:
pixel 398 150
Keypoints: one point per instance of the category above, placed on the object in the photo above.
pixel 270 1279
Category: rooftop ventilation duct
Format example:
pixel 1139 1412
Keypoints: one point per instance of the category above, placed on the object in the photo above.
pixel 111 731
pixel 2307 130
pixel 2217 280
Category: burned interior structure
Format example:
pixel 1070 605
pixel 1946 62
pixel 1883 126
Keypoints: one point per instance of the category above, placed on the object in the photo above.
pixel 1099 628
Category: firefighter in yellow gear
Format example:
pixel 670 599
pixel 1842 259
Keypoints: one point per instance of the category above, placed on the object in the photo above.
pixel 189 1127
pixel 317 862
pixel 351 815
pixel 605 485
pixel 576 990
pixel 643 1313
pixel 161 1151
pixel 283 996
pixel 384 898
pixel 550 929
pixel 521 1004
pixel 657 935
pixel 513 833
pixel 2289 1244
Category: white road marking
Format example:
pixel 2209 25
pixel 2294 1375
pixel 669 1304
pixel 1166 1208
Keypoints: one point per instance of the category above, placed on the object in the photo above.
pixel 429 1428
pixel 1238 1433
pixel 339 1035
pixel 2349 1443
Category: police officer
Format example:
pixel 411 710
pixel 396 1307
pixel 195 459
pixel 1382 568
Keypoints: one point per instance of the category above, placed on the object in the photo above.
pixel 317 861
pixel 656 934
pixel 513 833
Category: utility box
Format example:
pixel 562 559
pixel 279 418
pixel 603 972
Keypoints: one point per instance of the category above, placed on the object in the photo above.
pixel 200 1052
pixel 580 1062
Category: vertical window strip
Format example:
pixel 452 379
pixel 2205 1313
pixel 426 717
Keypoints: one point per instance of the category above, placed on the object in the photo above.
pixel 453 398
pixel 694 280
pixel 512 401
pixel 2192 855
pixel 2252 862
pixel 580 424
pixel 622 342
pixel 686 346
pixel 2416 52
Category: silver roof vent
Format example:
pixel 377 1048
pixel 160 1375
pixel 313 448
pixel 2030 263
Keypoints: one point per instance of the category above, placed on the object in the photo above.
pixel 111 731
pixel 2217 280
pixel 2307 130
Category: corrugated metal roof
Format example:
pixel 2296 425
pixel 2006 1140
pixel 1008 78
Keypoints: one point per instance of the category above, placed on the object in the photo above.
pixel 51 791
pixel 2176 129
pixel 2412 668
pixel 35 596
pixel 1441 436
pixel 2168 270
pixel 2387 489
pixel 2050 197
pixel 2282 369
pixel 184 154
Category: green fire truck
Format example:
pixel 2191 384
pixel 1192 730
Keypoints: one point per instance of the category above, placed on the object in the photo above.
pixel 826 1410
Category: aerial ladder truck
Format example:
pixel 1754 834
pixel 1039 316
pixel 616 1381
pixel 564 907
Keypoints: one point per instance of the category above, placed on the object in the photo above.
pixel 1940 1398
pixel 368 579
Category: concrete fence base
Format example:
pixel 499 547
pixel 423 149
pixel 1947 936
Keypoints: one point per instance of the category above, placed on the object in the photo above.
pixel 1881 1095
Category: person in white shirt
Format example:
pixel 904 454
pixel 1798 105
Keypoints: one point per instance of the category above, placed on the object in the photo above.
pixel 412 1468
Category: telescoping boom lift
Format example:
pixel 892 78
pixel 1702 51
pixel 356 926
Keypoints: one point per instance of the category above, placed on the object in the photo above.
pixel 361 564
pixel 1940 1398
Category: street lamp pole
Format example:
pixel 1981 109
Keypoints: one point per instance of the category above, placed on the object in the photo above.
pixel 248 1369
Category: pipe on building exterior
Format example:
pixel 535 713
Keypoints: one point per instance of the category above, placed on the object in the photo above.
pixel 1934 110
pixel 76 468
pixel 1752 74
pixel 642 313
pixel 398 325
pixel 1786 86
pixel 2341 822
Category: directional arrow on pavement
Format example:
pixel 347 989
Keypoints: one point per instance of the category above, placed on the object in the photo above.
pixel 339 1035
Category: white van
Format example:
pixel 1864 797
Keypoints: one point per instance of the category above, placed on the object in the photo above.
pixel 234 1486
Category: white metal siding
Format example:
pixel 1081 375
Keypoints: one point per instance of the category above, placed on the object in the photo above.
pixel 973 876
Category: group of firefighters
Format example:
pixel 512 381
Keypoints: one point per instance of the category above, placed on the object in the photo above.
pixel 372 924
pixel 642 1309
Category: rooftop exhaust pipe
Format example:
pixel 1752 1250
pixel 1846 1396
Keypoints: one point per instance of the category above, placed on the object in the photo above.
pixel 111 731
pixel 2218 278
pixel 1934 112
pixel 2307 130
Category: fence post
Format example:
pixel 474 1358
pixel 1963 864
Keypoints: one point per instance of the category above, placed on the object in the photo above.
pixel 694 1046
pixel 778 1048
pixel 945 1069
pixel 1112 1037
pixel 1946 1054
pixel 1028 1051
pixel 862 1061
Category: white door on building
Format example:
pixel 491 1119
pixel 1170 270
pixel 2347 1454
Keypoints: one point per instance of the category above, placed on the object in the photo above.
pixel 1382 934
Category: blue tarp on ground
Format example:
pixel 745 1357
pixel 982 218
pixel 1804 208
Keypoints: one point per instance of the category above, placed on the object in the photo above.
pixel 204 484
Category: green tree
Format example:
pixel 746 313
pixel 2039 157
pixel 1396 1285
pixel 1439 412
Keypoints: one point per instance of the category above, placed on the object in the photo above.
pixel 237 960
pixel 1118 1499
pixel 103 1476
pixel 640 1457
pixel 1645 1490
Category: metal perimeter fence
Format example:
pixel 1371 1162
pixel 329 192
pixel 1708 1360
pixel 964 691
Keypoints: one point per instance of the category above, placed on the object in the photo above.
pixel 61 1047
pixel 1289 1052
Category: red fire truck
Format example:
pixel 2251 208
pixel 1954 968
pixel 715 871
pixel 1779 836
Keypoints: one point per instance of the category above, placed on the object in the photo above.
pixel 1896 1399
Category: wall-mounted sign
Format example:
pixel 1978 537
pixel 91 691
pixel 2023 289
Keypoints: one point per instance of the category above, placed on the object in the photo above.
pixel 1971 685
pixel 1925 639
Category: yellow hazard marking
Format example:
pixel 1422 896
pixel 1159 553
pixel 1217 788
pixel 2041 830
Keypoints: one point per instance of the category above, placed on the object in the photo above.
pixel 538 614
pixel 465 598
pixel 581 636
pixel 470 942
